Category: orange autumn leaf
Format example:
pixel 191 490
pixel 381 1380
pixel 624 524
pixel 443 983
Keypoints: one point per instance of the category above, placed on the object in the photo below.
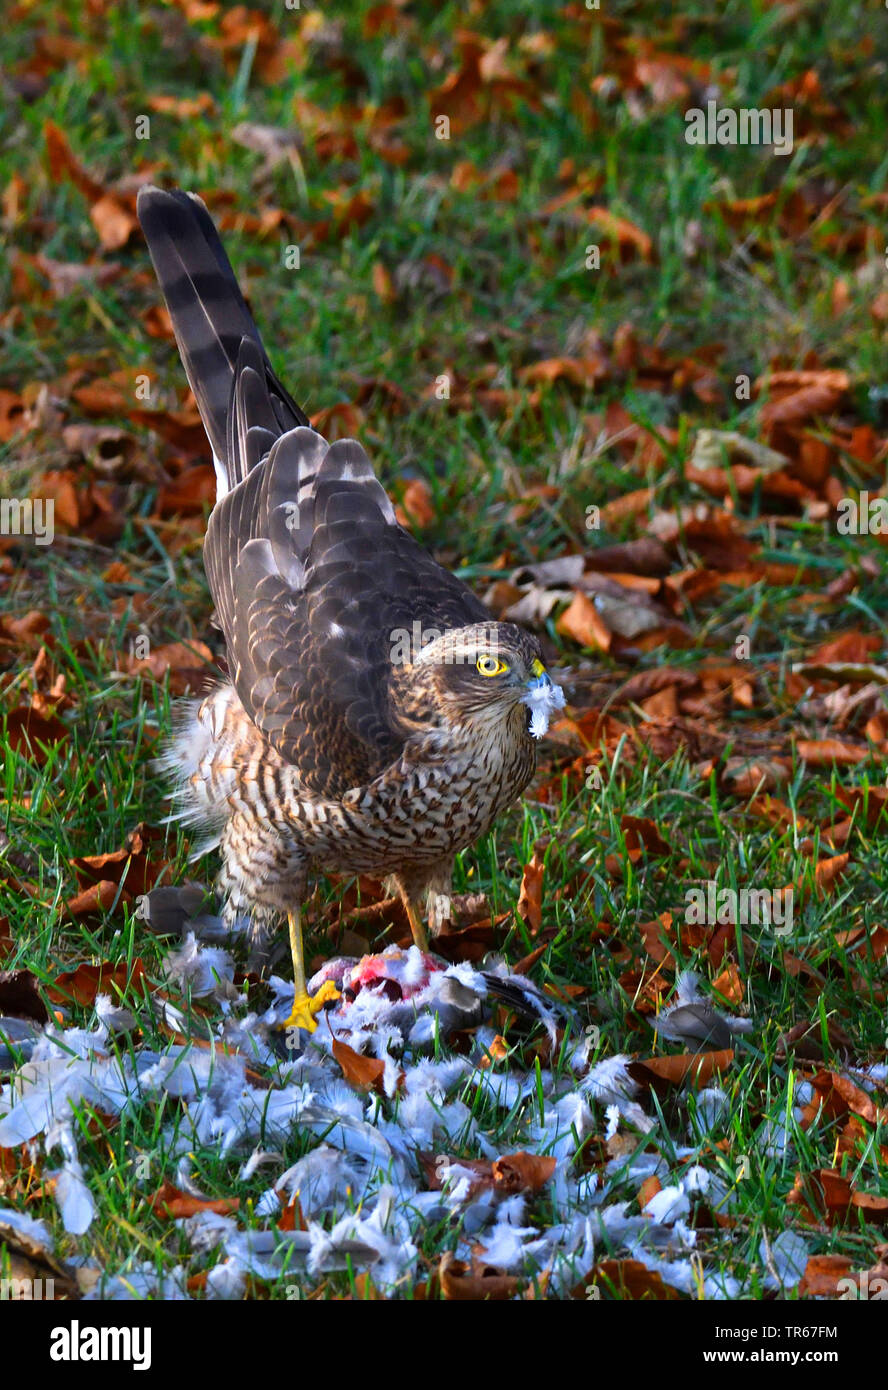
pixel 822 1276
pixel 26 729
pixel 696 1067
pixel 626 1279
pixel 629 240
pixel 582 621
pixel 838 1095
pixel 824 752
pixel 729 984
pixel 578 371
pixel 364 1072
pixel 828 871
pixel 170 1202
pixel 417 503
pixel 188 664
pixel 383 285
pixel 459 1283
pixel 642 833
pixel 97 898
pixel 522 1172
pixel 87 981
pixel 530 899
pixel 113 215
pixel 830 1194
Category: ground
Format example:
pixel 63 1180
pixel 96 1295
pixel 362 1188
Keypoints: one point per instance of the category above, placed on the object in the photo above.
pixel 478 239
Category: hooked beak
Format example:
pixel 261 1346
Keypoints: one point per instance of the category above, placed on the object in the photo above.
pixel 543 697
pixel 540 678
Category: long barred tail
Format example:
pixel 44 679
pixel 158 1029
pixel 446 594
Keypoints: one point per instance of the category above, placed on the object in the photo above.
pixel 218 340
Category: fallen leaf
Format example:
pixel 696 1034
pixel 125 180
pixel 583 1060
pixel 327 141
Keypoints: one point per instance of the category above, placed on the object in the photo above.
pixel 696 1067
pixel 625 1279
pixel 168 1201
pixel 458 1283
pixel 522 1172
pixel 530 899
pixel 364 1072
pixel 86 982
pixel 582 622
pixel 19 997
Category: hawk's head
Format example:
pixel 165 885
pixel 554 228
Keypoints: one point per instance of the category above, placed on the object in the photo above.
pixel 480 676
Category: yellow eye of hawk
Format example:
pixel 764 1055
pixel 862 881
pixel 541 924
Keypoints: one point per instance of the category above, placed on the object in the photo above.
pixel 491 666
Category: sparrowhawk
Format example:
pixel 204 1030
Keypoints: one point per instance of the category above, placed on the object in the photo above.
pixel 377 719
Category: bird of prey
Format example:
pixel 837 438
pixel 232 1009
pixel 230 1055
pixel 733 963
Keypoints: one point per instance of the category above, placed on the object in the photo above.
pixel 376 719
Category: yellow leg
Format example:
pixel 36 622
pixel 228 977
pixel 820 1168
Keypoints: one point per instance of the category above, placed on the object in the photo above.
pixel 417 928
pixel 304 1007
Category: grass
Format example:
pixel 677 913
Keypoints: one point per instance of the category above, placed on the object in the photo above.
pixel 515 292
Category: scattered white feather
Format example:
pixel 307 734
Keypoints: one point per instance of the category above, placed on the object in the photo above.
pixel 202 970
pixel 784 1258
pixel 542 701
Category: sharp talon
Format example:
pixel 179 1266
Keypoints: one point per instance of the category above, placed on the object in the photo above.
pixel 302 1015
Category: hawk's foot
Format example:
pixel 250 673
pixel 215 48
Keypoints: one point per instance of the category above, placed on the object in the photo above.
pixel 305 1006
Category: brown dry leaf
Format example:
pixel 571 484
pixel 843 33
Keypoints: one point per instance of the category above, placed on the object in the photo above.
pixel 181 428
pixel 26 729
pixel 459 1283
pixel 382 283
pixel 471 943
pixel 822 1275
pixel 128 868
pixel 83 984
pixel 662 705
pixel 26 632
pixel 870 803
pixel 696 1067
pixel 530 899
pixel 480 86
pixel 642 833
pixel 772 809
pixel 13 415
pixel 113 215
pixel 729 984
pixel 189 664
pixel 341 421
pixel 824 752
pixel 190 494
pixel 629 240
pixel 794 397
pixel 434 1169
pixel 417 504
pixel 828 872
pixel 522 1172
pixel 626 1279
pixel 838 1095
pixel 649 1188
pixel 97 898
pixel 582 621
pixel 851 648
pixel 829 1194
pixel 19 997
pixel 184 107
pixel 583 372
pixel 363 1072
pixel 169 1201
